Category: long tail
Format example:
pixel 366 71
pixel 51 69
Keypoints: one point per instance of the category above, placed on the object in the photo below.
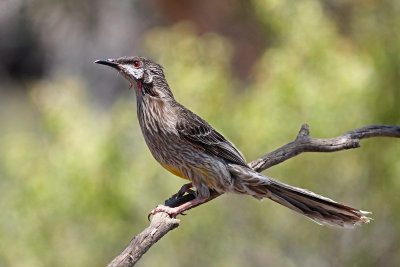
pixel 320 209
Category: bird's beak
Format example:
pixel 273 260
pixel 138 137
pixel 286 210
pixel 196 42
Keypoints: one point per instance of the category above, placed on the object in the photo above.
pixel 108 62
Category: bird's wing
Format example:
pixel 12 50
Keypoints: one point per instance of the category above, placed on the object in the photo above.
pixel 198 132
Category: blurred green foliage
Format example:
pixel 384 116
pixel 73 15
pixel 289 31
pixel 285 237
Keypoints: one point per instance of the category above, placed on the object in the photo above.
pixel 77 183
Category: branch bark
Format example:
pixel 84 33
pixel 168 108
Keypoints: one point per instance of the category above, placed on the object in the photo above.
pixel 161 223
pixel 159 226
pixel 304 143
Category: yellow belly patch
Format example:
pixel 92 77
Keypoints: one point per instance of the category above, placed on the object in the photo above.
pixel 175 171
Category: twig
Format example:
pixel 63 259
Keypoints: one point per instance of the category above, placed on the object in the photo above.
pixel 304 143
pixel 161 223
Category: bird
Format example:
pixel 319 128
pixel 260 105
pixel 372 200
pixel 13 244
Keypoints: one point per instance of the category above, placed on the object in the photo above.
pixel 187 146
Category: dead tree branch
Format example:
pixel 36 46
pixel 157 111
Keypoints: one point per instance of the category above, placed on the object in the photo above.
pixel 159 226
pixel 304 143
pixel 161 223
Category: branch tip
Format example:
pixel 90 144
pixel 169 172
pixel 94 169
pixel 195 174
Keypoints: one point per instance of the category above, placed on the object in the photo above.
pixel 304 131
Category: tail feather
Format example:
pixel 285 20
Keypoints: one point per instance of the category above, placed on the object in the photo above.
pixel 317 208
pixel 320 209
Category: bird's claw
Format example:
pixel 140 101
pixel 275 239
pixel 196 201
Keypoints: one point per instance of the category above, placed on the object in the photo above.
pixel 172 212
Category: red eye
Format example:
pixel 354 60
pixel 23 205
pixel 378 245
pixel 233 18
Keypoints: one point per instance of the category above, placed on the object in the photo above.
pixel 136 64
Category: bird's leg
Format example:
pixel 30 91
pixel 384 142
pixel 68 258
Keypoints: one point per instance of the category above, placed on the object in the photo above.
pixel 174 211
pixel 184 189
pixel 177 210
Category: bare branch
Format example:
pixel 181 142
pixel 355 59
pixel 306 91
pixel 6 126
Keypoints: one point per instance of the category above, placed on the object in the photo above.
pixel 161 223
pixel 304 143
pixel 159 226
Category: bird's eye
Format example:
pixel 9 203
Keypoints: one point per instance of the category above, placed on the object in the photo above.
pixel 136 64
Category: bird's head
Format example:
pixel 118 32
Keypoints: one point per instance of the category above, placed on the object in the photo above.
pixel 139 71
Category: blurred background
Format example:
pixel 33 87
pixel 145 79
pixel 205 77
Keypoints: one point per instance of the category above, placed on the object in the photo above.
pixel 77 180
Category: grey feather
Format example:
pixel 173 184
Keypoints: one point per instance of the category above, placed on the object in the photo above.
pixel 318 208
pixel 197 131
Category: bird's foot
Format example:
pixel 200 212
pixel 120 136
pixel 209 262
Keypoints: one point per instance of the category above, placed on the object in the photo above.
pixel 186 188
pixel 173 212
